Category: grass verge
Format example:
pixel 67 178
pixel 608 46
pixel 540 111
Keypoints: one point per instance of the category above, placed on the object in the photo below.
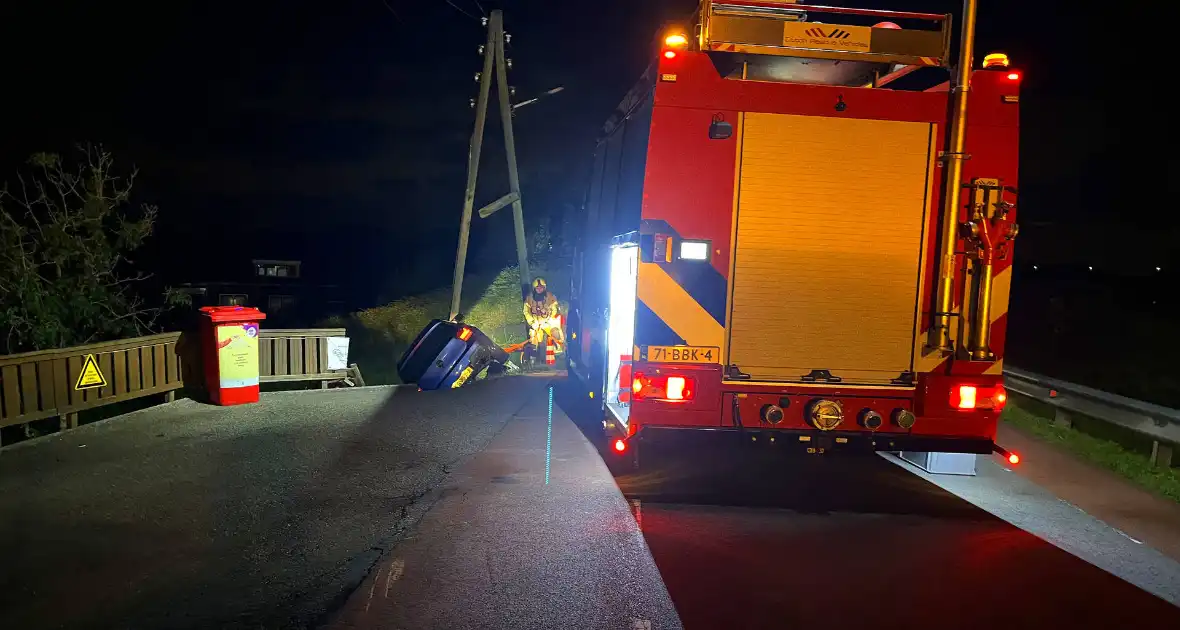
pixel 380 334
pixel 1108 454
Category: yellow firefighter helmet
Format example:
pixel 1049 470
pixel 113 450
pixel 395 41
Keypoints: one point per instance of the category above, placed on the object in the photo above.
pixel 539 283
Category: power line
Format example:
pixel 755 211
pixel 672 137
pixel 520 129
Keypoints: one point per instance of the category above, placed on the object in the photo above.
pixel 392 10
pixel 460 10
pixel 485 13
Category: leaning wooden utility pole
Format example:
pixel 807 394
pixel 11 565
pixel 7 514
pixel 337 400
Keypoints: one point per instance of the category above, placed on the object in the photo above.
pixel 522 253
pixel 493 51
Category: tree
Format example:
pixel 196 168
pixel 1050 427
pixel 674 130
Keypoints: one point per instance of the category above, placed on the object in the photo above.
pixel 66 233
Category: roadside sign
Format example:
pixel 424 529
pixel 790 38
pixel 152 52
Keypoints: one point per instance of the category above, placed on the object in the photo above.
pixel 91 377
pixel 337 353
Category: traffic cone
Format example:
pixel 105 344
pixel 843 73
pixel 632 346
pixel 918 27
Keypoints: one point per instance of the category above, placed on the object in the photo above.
pixel 550 353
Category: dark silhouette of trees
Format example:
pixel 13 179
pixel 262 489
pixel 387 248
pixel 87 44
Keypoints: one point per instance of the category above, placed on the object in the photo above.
pixel 67 231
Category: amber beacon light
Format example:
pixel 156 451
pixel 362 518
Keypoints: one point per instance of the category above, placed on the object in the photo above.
pixel 673 43
pixel 995 60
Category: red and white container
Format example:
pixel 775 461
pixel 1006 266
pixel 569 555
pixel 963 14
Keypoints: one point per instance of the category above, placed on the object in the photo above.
pixel 229 340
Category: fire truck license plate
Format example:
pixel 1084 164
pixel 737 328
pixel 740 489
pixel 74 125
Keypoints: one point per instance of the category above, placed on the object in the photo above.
pixel 683 354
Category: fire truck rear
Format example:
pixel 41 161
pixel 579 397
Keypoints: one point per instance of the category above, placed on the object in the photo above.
pixel 794 235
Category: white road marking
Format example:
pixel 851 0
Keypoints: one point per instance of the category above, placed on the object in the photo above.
pixel 1128 537
pixel 372 587
pixel 396 568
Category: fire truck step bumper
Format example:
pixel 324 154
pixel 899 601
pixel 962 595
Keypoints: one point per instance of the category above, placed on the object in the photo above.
pixel 816 442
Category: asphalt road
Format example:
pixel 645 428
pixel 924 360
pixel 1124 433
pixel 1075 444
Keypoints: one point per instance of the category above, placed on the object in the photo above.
pixel 272 516
pixel 531 532
pixel 263 516
pixel 750 538
pixel 761 541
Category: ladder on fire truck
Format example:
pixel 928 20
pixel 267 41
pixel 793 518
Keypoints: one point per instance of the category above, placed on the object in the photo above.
pixel 785 28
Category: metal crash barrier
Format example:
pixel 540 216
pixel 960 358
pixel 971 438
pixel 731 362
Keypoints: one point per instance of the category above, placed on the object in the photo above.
pixel 1156 422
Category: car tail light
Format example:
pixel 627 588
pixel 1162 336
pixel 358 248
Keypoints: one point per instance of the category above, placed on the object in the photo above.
pixel 966 397
pixel 674 387
pixel 620 446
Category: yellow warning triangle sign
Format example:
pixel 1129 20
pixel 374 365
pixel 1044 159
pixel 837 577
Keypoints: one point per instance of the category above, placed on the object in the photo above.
pixel 91 376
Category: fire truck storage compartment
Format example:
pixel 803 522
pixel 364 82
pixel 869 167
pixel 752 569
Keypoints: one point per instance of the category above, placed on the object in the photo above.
pixel 828 251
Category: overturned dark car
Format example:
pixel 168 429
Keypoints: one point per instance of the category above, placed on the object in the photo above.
pixel 447 355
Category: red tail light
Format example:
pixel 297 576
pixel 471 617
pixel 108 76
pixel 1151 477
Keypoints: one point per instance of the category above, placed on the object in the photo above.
pixel 967 397
pixel 675 388
pixel 620 446
pixel 625 378
pixel 670 54
pixel 964 397
pixel 999 398
pixel 1008 455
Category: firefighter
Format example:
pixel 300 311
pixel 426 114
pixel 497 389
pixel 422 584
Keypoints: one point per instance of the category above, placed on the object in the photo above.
pixel 541 314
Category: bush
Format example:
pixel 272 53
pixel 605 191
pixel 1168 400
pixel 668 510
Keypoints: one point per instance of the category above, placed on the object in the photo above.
pixel 401 320
pixel 67 240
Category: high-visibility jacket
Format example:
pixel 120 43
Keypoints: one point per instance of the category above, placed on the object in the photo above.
pixel 536 311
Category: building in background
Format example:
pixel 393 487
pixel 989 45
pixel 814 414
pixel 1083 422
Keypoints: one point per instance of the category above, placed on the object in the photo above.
pixel 278 287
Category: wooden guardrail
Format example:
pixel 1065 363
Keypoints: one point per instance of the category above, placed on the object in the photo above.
pixel 39 385
pixel 297 354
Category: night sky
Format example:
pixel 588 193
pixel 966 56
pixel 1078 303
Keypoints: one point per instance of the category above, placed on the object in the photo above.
pixel 336 132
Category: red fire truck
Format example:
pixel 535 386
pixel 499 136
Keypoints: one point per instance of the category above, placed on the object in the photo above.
pixel 795 231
